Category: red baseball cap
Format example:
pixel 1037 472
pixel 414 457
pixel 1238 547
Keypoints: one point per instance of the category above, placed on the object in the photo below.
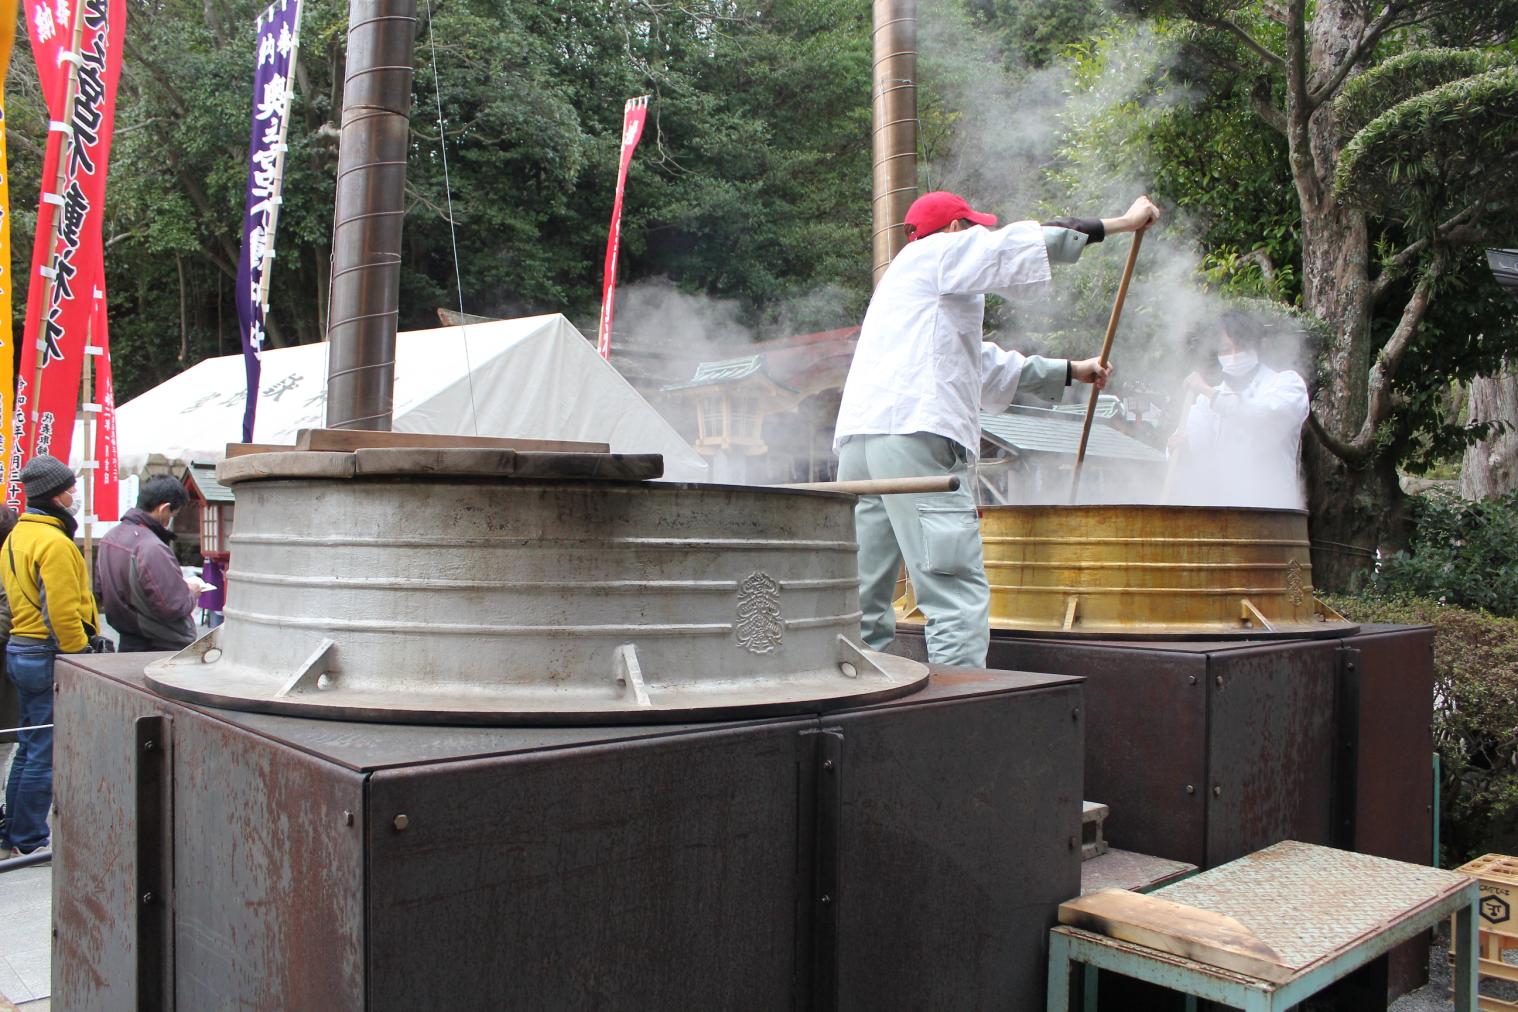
pixel 937 210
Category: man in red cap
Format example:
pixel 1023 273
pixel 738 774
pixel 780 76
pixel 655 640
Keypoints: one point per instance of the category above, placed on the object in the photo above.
pixel 921 375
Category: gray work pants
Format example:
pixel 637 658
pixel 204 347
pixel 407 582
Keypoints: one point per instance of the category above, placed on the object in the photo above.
pixel 938 535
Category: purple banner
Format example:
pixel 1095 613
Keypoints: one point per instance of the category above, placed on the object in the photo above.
pixel 278 36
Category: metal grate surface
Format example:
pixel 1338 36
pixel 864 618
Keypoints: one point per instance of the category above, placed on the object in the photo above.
pixel 1308 902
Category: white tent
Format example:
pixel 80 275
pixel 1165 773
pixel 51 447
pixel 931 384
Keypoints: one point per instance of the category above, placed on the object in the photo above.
pixel 530 378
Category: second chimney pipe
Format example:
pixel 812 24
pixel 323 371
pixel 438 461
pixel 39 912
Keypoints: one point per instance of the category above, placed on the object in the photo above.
pixel 894 113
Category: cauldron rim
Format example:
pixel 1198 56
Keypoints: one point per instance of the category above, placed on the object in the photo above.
pixel 1157 507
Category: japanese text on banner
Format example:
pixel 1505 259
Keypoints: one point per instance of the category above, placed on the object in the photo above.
pixel 67 261
pixel 278 39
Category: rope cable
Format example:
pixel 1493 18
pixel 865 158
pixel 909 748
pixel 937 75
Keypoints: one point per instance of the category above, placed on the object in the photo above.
pixel 458 279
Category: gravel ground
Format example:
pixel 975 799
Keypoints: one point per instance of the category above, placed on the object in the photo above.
pixel 1435 995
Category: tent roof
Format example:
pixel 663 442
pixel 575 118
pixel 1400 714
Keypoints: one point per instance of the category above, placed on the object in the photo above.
pixel 532 378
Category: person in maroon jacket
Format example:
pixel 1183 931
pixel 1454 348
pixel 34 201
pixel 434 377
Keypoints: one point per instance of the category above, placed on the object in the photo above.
pixel 147 600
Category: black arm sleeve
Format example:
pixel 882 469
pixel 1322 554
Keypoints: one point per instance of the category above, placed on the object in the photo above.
pixel 1091 228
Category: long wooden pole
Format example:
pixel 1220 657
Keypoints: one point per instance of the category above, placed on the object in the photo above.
pixel 882 486
pixel 86 425
pixel 1117 313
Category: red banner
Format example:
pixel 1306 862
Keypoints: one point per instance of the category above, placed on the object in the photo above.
pixel 51 27
pixel 67 259
pixel 634 115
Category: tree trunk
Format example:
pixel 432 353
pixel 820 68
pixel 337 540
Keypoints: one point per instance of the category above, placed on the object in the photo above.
pixel 1491 466
pixel 1356 506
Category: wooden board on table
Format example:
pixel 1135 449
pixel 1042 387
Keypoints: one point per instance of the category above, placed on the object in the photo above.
pixel 493 462
pixel 347 440
pixel 1189 932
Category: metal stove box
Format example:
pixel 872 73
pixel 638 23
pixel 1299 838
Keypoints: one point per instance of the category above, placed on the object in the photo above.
pixel 1208 750
pixel 909 853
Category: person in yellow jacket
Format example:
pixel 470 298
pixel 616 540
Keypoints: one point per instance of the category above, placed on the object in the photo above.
pixel 52 613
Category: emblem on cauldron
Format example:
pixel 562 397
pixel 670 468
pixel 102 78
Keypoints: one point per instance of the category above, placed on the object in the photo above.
pixel 760 626
pixel 1294 582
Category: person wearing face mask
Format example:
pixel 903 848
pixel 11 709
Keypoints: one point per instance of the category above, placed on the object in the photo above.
pixel 147 599
pixel 52 612
pixel 1239 441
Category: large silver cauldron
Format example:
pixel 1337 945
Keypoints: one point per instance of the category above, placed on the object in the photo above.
pixel 442 586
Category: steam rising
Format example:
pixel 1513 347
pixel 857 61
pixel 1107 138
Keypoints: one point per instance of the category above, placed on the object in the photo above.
pixel 1054 141
pixel 1038 143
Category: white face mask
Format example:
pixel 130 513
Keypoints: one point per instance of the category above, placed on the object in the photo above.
pixel 72 509
pixel 1240 363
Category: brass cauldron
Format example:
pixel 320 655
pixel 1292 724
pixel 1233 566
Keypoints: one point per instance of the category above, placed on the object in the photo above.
pixel 1150 571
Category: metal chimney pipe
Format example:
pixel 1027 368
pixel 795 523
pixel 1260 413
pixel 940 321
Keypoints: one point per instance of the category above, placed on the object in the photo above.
pixel 894 109
pixel 364 296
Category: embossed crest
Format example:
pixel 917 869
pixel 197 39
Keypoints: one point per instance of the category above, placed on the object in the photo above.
pixel 1294 584
pixel 760 626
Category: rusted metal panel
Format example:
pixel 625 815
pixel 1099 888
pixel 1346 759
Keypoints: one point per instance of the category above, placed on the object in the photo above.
pixel 1388 736
pixel 1393 811
pixel 1146 736
pixel 94 865
pixel 268 873
pixel 267 877
pixel 657 874
pixel 960 837
pixel 1270 747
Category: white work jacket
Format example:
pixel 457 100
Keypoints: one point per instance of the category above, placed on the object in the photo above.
pixel 921 364
pixel 1243 446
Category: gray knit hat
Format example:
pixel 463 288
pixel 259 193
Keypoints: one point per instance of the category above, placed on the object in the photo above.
pixel 44 477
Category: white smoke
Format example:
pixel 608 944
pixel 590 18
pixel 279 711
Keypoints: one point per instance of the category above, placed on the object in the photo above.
pixel 1060 141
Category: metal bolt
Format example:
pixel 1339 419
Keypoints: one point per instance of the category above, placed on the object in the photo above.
pixel 347 817
pixel 147 898
pixel 825 899
pixel 1191 788
pixel 1219 681
pixel 148 745
pixel 849 671
pixel 401 821
pixel 211 656
pixel 827 764
pixel 1075 714
pixel 324 681
pixel 1191 680
pixel 1217 791
pixel 1072 842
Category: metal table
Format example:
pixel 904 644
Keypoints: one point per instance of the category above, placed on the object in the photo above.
pixel 1326 913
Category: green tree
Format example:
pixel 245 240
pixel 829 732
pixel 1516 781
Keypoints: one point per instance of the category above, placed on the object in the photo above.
pixel 1399 157
pixel 752 183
